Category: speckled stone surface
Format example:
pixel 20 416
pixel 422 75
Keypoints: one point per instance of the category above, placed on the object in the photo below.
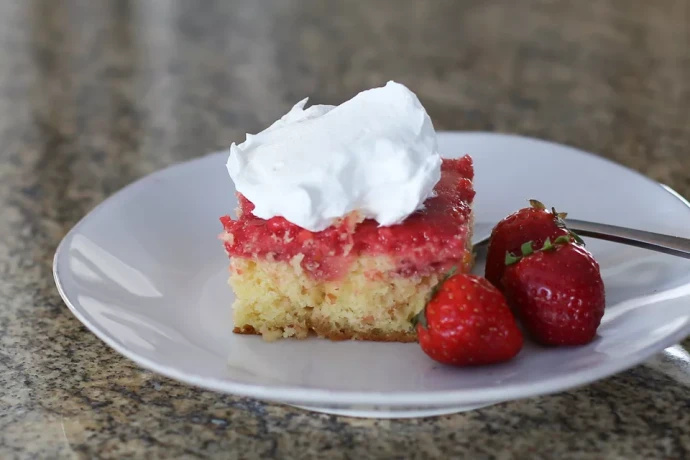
pixel 96 94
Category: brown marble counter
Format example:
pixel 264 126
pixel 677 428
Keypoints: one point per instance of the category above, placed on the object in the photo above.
pixel 96 94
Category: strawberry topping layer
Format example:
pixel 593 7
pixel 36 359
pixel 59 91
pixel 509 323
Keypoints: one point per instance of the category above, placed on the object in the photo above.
pixel 429 239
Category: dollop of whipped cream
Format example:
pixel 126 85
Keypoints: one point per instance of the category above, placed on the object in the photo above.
pixel 375 154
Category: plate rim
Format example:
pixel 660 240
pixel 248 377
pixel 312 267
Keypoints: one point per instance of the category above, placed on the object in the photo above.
pixel 348 398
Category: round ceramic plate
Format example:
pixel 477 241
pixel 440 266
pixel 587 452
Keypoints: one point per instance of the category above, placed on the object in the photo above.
pixel 146 273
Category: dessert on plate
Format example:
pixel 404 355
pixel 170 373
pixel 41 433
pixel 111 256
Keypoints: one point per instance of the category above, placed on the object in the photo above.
pixel 347 218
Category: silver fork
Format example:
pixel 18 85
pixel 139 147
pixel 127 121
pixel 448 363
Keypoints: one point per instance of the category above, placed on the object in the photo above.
pixel 667 244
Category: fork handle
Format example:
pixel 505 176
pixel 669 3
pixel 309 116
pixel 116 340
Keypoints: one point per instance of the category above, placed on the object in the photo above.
pixel 667 244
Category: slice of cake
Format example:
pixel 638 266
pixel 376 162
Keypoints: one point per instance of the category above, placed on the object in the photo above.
pixel 347 218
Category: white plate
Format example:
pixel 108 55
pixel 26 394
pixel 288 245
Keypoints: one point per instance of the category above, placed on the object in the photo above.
pixel 145 272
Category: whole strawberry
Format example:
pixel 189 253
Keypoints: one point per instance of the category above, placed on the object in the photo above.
pixel 557 292
pixel 468 322
pixel 535 224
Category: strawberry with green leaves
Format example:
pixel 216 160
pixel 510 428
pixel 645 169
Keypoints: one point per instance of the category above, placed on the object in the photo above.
pixel 534 224
pixel 557 291
pixel 467 322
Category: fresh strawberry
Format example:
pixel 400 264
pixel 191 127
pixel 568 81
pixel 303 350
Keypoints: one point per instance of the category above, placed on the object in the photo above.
pixel 468 322
pixel 535 224
pixel 556 291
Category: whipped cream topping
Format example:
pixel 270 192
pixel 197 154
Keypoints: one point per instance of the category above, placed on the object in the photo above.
pixel 375 154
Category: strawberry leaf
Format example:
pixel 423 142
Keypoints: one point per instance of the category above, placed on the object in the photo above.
pixel 420 318
pixel 577 238
pixel 536 204
pixel 563 239
pixel 511 258
pixel 526 248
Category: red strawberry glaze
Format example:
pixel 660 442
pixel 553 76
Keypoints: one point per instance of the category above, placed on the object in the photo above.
pixel 430 239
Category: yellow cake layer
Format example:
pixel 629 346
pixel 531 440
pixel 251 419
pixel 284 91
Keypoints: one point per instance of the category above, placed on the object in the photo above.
pixel 371 302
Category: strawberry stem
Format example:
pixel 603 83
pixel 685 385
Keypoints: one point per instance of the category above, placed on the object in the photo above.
pixel 526 249
pixel 559 217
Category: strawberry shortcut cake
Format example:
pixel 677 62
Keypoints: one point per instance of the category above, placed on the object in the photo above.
pixel 347 219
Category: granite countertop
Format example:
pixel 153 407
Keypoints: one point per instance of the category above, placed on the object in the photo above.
pixel 96 94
